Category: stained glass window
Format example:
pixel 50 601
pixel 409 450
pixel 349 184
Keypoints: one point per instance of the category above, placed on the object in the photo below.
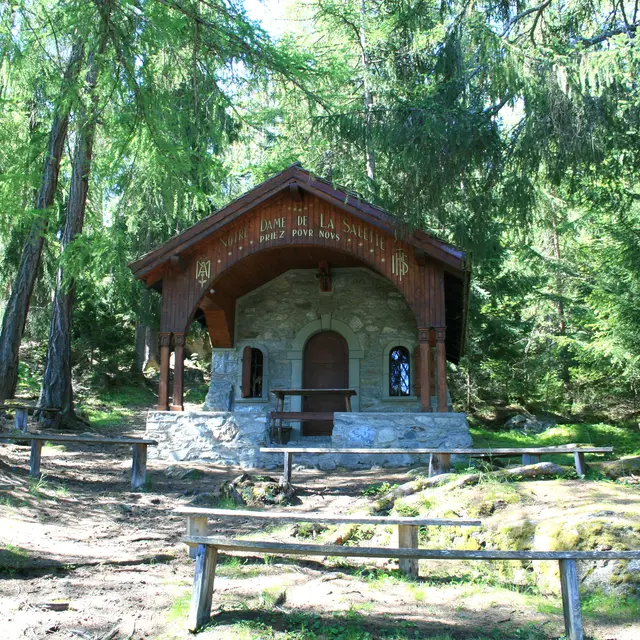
pixel 399 378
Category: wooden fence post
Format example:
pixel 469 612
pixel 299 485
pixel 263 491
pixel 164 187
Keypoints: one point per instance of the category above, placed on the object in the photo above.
pixel 571 599
pixel 288 467
pixel 581 467
pixel 139 466
pixel 36 454
pixel 408 539
pixel 439 463
pixel 202 594
pixel 21 419
pixel 196 526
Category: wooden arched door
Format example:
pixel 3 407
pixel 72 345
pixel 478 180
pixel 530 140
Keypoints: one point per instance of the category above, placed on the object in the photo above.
pixel 325 366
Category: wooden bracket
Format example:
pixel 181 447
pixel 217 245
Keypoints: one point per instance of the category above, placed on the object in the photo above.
pixel 324 276
pixel 420 256
pixel 177 263
pixel 295 192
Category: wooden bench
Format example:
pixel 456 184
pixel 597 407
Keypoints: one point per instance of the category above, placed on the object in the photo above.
pixel 440 459
pixel 22 413
pixel 139 448
pixel 280 415
pixel 208 547
pixel 197 521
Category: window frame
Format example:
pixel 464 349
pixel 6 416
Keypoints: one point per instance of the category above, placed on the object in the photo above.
pixel 403 360
pixel 239 398
pixel 386 372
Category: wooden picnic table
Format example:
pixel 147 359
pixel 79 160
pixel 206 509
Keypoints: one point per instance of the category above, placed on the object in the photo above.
pixel 280 415
pixel 23 410
pixel 138 445
pixel 440 461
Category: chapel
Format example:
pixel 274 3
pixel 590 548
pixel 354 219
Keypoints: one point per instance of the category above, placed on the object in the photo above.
pixel 331 325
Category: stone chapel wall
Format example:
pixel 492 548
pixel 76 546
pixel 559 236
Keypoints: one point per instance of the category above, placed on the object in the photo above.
pixel 271 317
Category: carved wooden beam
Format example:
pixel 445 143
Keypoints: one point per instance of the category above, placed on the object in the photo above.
pixel 177 263
pixel 295 191
pixel 420 256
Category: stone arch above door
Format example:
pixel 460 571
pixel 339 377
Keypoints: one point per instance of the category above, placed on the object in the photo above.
pixel 296 353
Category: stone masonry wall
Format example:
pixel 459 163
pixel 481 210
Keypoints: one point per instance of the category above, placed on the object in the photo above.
pixel 271 316
pixel 219 437
pixel 234 439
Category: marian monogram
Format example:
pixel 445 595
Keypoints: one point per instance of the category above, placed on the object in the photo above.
pixel 399 264
pixel 203 270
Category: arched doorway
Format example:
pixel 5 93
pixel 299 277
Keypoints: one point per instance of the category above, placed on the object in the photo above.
pixel 325 366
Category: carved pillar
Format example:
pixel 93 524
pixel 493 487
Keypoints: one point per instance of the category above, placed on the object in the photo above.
pixel 441 367
pixel 425 370
pixel 178 373
pixel 163 390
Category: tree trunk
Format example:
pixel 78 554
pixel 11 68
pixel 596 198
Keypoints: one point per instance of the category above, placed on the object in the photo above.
pixel 15 314
pixel 140 347
pixel 57 388
pixel 367 97
pixel 152 355
pixel 565 372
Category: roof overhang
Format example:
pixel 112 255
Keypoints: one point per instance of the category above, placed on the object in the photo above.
pixel 296 181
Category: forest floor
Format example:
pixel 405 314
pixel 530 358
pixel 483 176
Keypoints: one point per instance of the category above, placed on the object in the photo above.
pixel 80 540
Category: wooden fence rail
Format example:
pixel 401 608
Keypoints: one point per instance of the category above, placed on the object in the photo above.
pixel 208 548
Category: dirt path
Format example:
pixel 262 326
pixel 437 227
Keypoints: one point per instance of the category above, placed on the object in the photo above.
pixel 80 538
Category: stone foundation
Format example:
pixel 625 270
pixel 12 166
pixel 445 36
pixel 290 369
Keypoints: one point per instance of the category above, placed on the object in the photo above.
pixel 221 437
pixel 234 438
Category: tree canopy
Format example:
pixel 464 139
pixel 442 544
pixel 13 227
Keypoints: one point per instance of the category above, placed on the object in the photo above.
pixel 509 129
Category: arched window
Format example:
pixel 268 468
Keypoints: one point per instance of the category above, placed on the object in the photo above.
pixel 399 374
pixel 252 372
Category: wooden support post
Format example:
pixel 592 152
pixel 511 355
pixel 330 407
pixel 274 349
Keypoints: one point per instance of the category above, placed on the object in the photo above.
pixel 581 467
pixel 530 458
pixel 202 594
pixel 288 467
pixel 441 368
pixel 139 466
pixel 36 454
pixel 163 390
pixel 177 403
pixel 439 463
pixel 408 539
pixel 425 370
pixel 196 526
pixel 22 415
pixel 571 600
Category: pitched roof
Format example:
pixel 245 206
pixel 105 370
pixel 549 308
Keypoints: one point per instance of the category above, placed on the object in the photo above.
pixel 292 179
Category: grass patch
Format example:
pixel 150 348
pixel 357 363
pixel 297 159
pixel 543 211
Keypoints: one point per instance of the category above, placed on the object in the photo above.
pixel 624 439
pixel 38 486
pixel 378 489
pixel 197 395
pixel 113 407
pixel 345 625
pixel 127 396
pixel 179 610
pixel 235 567
pixel 103 418
pixel 28 380
pixel 12 557
pixel 611 607
pixel 49 446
